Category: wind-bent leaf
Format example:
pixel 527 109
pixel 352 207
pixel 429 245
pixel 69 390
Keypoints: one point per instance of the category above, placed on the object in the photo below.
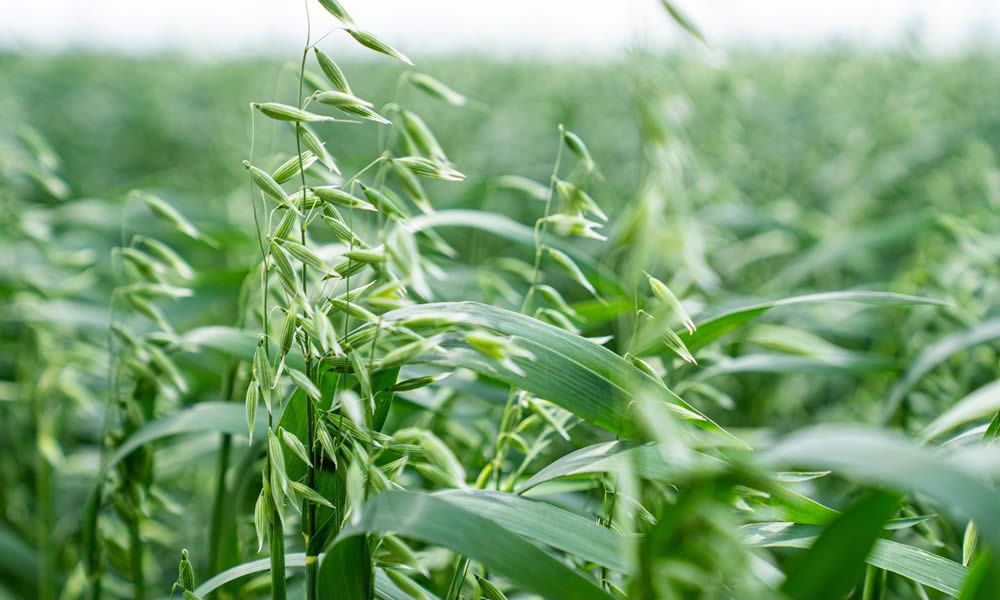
pixel 384 587
pixel 913 563
pixel 603 458
pixel 221 417
pixel 584 378
pixel 885 459
pixel 716 327
pixel 546 524
pixel 836 560
pixel 237 343
pixel 434 520
pixel 984 402
pixel 934 355
pixel 784 363
pixel 618 457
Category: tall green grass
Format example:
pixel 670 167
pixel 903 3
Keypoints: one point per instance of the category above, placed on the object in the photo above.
pixel 413 367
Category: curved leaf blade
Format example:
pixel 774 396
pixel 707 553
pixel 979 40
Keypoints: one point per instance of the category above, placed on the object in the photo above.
pixel 436 521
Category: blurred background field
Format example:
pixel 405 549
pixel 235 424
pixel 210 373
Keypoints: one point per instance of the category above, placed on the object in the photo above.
pixel 777 173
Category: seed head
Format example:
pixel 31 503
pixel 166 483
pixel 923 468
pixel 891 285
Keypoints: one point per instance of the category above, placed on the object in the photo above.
pixel 372 42
pixel 436 89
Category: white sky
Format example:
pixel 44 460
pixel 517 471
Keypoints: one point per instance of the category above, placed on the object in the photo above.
pixel 511 27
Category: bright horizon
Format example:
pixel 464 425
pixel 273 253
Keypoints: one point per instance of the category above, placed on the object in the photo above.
pixel 521 28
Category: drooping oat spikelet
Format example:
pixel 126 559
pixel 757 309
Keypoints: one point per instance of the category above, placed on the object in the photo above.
pixel 373 42
pixel 436 89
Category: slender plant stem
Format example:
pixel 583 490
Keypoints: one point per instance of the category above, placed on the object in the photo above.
pixel 512 411
pixel 458 578
pixel 216 527
pixel 512 408
pixel 135 558
pixel 278 591
pixel 309 523
pixel 43 491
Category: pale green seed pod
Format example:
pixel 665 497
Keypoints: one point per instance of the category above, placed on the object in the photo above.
pixel 312 142
pixel 172 216
pixel 484 476
pixel 340 99
pixel 326 442
pixel 310 494
pixel 395 551
pixel 365 113
pixel 663 294
pixel 150 311
pixel 294 443
pixel 372 42
pixel 566 264
pixel 339 197
pixel 575 200
pixel 167 367
pixel 578 148
pixel 185 572
pixel 574 226
pixel 368 256
pixel 286 273
pixel 409 587
pixel 490 591
pixel 125 336
pixel 305 199
pixel 350 403
pixel 350 268
pixel 305 255
pixel 279 479
pixel 316 82
pixel 169 257
pixel 426 167
pixel 536 407
pixel 262 516
pixel 552 295
pixel 642 365
pixel 343 231
pixel 436 89
pixel 336 9
pixel 262 372
pixel 305 384
pixel 251 406
pixel 440 455
pixel 675 343
pixel 288 327
pixel 283 112
pixel 412 186
pixel 489 345
pixel 142 263
pixel 291 167
pixel 285 225
pixel 332 71
pixel 418 382
pixel 559 320
pixel 410 351
pixel 423 137
pixel 383 203
pixel 353 309
pixel 270 187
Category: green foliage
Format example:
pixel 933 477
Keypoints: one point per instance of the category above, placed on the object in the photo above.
pixel 505 334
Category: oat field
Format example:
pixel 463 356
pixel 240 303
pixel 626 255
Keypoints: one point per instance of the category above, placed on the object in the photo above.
pixel 655 328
